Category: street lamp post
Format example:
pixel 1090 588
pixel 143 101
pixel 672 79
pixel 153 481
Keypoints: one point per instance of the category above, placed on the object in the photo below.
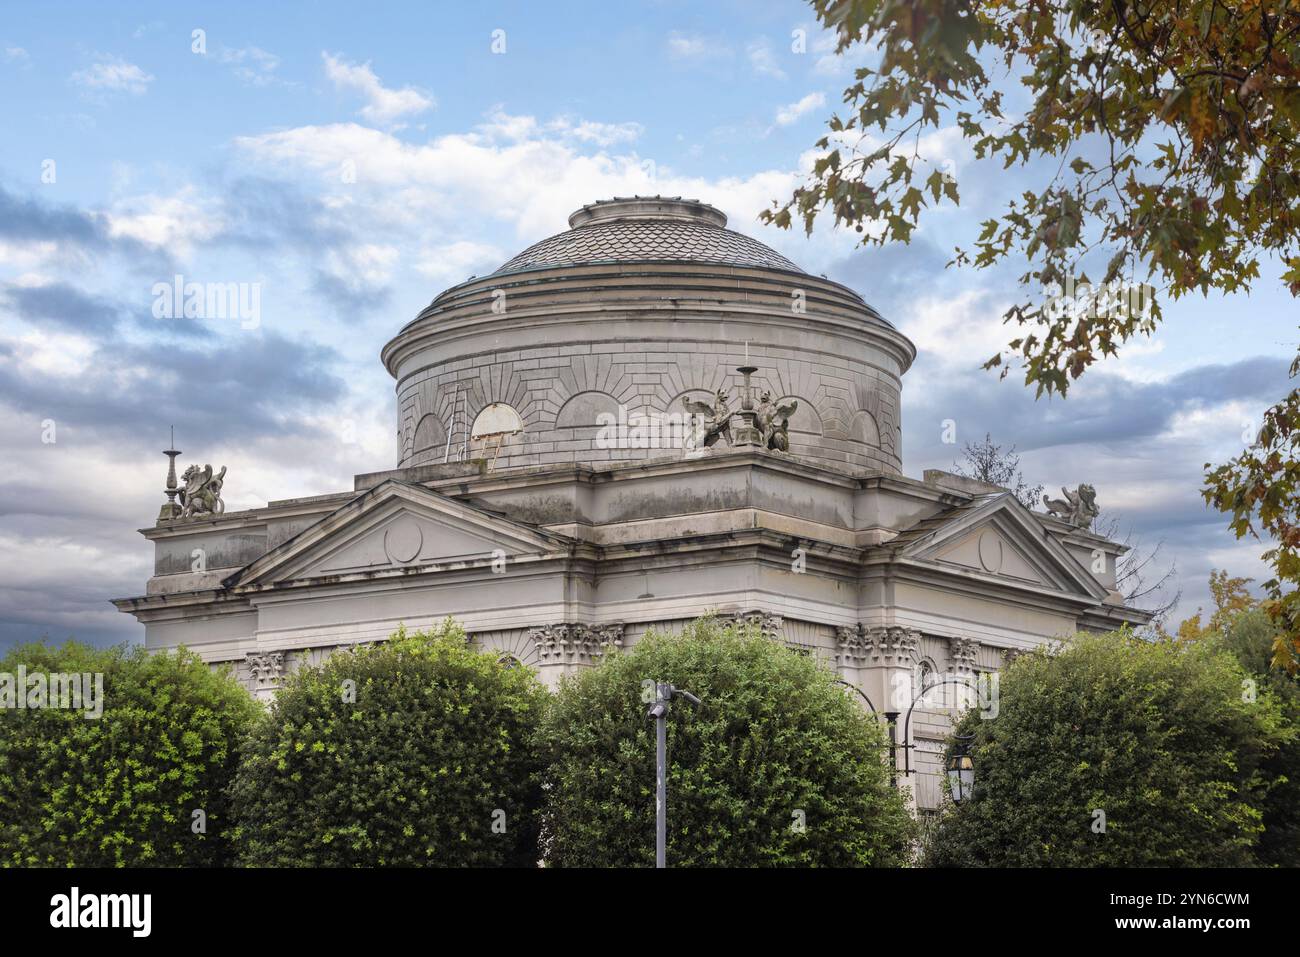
pixel 960 767
pixel 664 693
pixel 961 770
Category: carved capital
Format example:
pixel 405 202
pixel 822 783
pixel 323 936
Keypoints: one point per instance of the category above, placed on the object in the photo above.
pixel 894 646
pixel 1011 654
pixel 265 669
pixel 853 649
pixel 962 654
pixel 768 625
pixel 575 643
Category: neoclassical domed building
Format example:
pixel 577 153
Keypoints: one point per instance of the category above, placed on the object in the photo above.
pixel 638 420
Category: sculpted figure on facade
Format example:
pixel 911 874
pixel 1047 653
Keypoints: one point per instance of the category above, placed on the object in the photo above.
pixel 853 646
pixel 1078 508
pixel 715 419
pixel 774 420
pixel 894 645
pixel 766 624
pixel 202 492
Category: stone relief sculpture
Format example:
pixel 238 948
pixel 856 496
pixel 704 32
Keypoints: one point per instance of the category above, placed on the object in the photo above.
pixel 1078 508
pixel 202 492
pixel 862 646
pixel 265 669
pixel 716 418
pixel 962 654
pixel 576 643
pixel 774 420
pixel 766 624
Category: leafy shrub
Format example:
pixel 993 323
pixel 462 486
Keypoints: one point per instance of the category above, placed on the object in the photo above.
pixel 1250 637
pixel 122 789
pixel 406 753
pixel 775 744
pixel 1157 736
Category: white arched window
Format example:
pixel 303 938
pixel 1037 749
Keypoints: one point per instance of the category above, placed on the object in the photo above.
pixel 493 426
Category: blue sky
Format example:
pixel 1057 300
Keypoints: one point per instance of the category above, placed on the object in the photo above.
pixel 231 165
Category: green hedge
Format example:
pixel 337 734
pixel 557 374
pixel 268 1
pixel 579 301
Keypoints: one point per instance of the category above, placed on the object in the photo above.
pixel 428 764
pixel 122 789
pixel 1249 638
pixel 775 744
pixel 1158 736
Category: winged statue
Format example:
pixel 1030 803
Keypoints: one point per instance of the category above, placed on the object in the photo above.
pixel 774 420
pixel 716 418
pixel 1078 507
pixel 202 492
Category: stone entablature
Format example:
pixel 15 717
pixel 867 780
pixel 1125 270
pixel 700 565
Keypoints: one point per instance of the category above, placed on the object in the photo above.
pixel 718 520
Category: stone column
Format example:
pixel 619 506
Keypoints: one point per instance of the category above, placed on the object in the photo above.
pixel 882 661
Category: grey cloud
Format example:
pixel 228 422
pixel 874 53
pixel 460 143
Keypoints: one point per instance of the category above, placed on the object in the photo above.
pixel 1112 432
pixel 28 219
pixel 1100 408
pixel 351 298
pixel 261 213
pixel 249 386
pixel 63 306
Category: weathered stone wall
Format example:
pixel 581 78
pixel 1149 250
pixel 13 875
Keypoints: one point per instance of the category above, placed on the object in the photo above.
pixel 562 346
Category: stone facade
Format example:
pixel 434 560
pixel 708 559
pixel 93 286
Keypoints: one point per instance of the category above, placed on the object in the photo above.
pixel 553 552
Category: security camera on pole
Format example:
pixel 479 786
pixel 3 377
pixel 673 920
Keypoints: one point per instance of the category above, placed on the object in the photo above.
pixel 663 693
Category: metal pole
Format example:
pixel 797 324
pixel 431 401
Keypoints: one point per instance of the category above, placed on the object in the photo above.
pixel 891 718
pixel 661 784
pixel 664 693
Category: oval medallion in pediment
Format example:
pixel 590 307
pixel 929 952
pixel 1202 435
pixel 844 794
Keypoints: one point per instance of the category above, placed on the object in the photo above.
pixel 403 541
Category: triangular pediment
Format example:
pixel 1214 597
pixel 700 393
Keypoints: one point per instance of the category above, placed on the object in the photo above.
pixel 997 538
pixel 396 529
pixel 990 550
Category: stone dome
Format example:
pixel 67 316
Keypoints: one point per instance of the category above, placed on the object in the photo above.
pixel 644 229
pixel 643 305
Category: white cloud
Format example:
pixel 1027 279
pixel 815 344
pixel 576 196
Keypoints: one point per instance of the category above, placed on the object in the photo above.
pixel 505 126
pixel 956 332
pixel 691 46
pixel 792 113
pixel 113 74
pixel 363 267
pixel 50 353
pixel 16 55
pixel 763 61
pixel 29 255
pixel 601 134
pixel 383 105
pixel 455 262
pixel 252 64
pixel 829 63
pixel 497 175
pixel 175 222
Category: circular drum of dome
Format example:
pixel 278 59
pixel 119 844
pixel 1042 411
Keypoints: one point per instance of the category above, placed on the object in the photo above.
pixel 595 336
